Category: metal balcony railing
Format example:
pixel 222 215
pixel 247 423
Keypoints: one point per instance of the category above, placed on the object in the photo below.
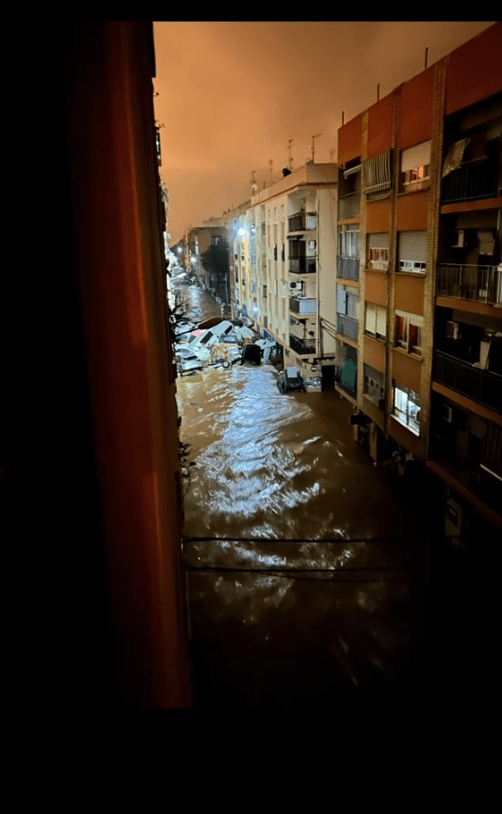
pixel 302 305
pixel 348 267
pixel 467 282
pixel 482 386
pixel 302 222
pixel 304 347
pixel 302 265
pixel 467 471
pixel 347 326
pixel 349 206
pixel 478 178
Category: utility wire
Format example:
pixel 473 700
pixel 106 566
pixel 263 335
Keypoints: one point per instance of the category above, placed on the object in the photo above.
pixel 316 579
pixel 339 540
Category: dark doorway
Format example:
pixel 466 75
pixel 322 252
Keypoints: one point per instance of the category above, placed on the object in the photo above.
pixel 328 377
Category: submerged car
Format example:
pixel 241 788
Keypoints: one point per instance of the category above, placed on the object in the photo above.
pixel 290 379
pixel 251 354
pixel 189 362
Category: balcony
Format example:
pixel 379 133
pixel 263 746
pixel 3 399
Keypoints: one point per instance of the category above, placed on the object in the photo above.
pixel 302 222
pixel 477 283
pixel 302 265
pixel 302 305
pixel 349 206
pixel 467 471
pixel 348 268
pixel 304 347
pixel 472 180
pixel 347 326
pixel 482 386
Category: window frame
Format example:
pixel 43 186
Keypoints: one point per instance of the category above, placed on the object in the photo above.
pixel 410 320
pixel 404 416
pixel 369 332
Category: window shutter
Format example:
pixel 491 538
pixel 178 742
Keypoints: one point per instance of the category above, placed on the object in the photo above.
pixel 417 156
pixel 381 321
pixel 341 300
pixel 370 317
pixel 377 172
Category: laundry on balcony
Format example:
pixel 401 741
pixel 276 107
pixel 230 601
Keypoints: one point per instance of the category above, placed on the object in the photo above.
pixel 454 156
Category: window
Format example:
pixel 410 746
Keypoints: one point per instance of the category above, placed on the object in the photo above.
pixel 412 251
pixel 282 253
pixel 275 252
pixel 374 383
pixel 265 291
pixel 376 320
pixel 407 407
pixel 347 302
pixel 415 163
pixel 378 173
pixel 349 240
pixel 409 332
pixel 352 305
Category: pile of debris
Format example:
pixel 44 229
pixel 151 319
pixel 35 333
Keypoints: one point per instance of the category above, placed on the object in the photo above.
pixel 216 342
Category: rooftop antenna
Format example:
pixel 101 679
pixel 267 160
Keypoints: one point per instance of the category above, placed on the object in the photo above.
pixel 291 140
pixel 378 91
pixel 313 144
pixel 271 162
pixel 254 186
pixel 343 117
pixel 426 54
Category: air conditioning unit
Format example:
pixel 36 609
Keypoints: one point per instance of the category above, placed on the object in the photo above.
pixel 458 239
pixel 447 413
pixel 294 285
pixel 452 330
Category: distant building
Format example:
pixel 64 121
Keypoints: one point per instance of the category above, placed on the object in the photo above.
pixel 293 222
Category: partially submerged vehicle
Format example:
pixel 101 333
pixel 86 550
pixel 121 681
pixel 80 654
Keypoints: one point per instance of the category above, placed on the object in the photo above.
pixel 290 379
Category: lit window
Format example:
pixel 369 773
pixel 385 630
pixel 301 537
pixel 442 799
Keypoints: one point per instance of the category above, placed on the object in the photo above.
pixel 409 332
pixel 407 408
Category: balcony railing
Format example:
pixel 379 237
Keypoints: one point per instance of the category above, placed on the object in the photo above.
pixel 469 472
pixel 303 347
pixel 302 305
pixel 302 222
pixel 348 268
pixel 474 179
pixel 348 326
pixel 482 386
pixel 302 265
pixel 349 206
pixel 479 283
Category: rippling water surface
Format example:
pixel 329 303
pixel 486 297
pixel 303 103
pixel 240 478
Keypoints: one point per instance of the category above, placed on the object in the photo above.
pixel 309 574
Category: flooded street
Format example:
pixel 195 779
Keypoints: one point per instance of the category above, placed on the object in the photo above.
pixel 305 570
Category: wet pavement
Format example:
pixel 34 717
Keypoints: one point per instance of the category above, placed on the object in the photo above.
pixel 306 571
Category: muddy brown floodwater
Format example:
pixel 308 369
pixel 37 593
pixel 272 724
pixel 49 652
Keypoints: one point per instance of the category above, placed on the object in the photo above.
pixel 305 571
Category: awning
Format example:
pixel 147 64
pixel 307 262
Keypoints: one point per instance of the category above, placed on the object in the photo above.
pixel 454 156
pixel 377 172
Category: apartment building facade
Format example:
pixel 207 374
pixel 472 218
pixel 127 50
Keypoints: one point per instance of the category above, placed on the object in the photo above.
pixel 419 298
pixel 197 241
pixel 292 239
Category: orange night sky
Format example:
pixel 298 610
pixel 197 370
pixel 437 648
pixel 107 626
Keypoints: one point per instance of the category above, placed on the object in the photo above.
pixel 231 95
